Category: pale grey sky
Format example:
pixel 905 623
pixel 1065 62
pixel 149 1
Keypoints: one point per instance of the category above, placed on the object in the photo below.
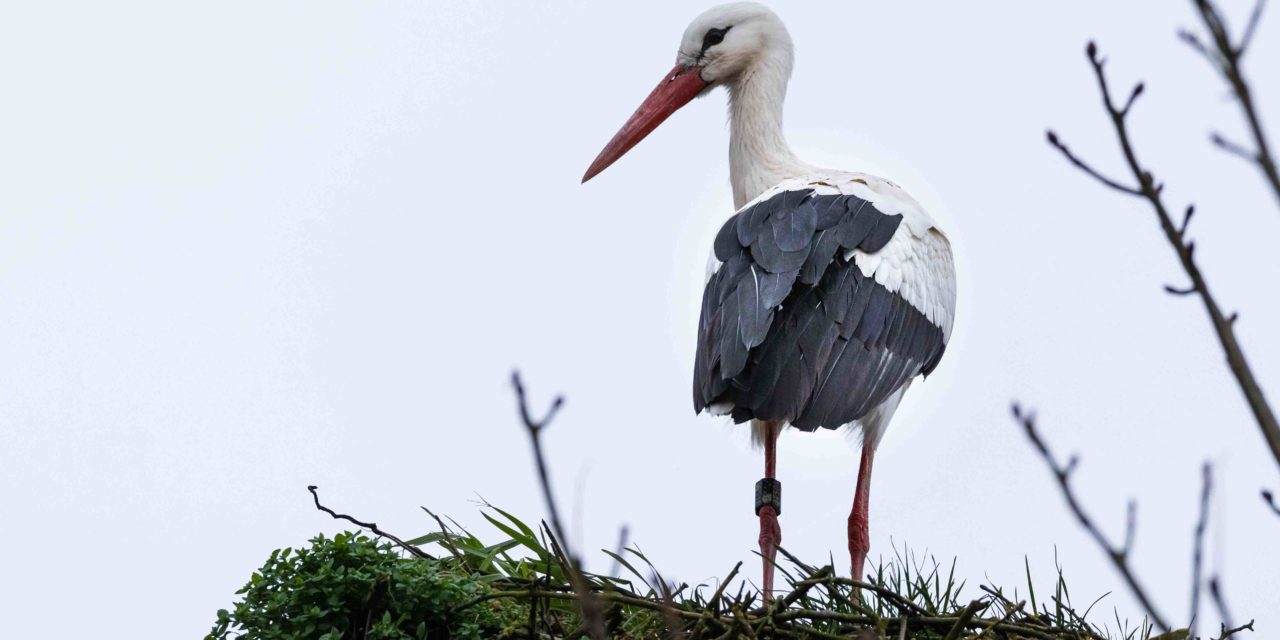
pixel 253 246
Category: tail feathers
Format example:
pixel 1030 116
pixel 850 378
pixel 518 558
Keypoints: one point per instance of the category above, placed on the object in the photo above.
pixel 870 427
pixel 873 425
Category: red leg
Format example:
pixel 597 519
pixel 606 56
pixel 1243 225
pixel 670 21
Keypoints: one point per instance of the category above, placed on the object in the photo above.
pixel 770 530
pixel 859 528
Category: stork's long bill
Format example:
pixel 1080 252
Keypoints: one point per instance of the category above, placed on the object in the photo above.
pixel 678 87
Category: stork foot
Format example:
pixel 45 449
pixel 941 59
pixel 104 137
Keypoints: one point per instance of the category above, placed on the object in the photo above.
pixel 770 538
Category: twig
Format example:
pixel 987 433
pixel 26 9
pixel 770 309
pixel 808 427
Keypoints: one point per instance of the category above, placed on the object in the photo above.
pixel 588 602
pixel 715 597
pixel 997 594
pixel 1271 501
pixel 1215 592
pixel 534 429
pixel 1227 633
pixel 1226 630
pixel 1226 58
pixel 562 595
pixel 533 608
pixel 1186 220
pixel 1130 525
pixel 1079 619
pixel 902 604
pixel 1133 96
pixel 1192 41
pixel 367 525
pixel 740 619
pixel 963 619
pixel 1119 556
pixel 1252 25
pixel 1007 615
pixel 446 539
pixel 1083 166
pixel 623 533
pixel 801 588
pixel 1233 148
pixel 713 604
pixel 1150 190
pixel 1198 554
pixel 811 570
pixel 669 616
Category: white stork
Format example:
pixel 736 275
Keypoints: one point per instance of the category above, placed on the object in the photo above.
pixel 832 290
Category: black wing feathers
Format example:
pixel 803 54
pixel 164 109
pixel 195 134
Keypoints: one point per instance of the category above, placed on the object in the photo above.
pixel 791 330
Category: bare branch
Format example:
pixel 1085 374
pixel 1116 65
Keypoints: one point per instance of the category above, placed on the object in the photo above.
pixel 1251 27
pixel 1149 189
pixel 1215 591
pixel 1080 164
pixel 1227 633
pixel 1119 556
pixel 589 603
pixel 1137 91
pixel 1194 42
pixel 1226 59
pixel 1186 220
pixel 715 597
pixel 534 429
pixel 1233 148
pixel 529 422
pixel 962 620
pixel 1130 526
pixel 623 534
pixel 1007 615
pixel 1271 501
pixel 1197 556
pixel 367 525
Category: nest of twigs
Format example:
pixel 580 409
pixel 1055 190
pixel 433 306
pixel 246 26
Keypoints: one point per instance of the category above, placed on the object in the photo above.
pixel 526 586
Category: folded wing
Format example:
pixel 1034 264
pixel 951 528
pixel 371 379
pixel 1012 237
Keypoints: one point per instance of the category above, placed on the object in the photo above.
pixel 822 307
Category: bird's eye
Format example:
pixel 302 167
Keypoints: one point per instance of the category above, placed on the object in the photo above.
pixel 713 38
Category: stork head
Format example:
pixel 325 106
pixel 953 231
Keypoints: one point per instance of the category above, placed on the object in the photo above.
pixel 721 46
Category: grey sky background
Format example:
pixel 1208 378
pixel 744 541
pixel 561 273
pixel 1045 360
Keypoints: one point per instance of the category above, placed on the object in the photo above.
pixel 249 247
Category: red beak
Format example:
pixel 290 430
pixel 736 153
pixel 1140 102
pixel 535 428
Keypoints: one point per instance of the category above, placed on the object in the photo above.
pixel 679 86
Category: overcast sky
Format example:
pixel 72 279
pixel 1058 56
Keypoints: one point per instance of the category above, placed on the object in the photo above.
pixel 247 247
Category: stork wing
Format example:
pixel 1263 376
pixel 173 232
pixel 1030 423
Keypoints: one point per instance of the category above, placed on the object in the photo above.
pixel 820 310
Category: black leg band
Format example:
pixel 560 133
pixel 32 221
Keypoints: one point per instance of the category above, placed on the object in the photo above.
pixel 769 494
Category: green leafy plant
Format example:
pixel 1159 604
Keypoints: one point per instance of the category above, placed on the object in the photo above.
pixel 351 586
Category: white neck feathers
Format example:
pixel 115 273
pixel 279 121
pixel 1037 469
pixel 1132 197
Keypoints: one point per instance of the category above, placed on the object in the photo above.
pixel 759 156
